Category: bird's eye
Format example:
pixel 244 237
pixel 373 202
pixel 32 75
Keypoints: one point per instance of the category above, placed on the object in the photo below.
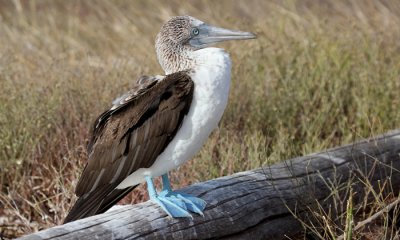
pixel 195 31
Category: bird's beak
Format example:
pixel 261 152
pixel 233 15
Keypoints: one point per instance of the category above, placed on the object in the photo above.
pixel 210 34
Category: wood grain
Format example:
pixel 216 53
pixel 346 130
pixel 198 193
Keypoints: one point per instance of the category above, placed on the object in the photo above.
pixel 255 204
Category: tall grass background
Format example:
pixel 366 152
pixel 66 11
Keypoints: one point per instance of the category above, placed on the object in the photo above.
pixel 320 74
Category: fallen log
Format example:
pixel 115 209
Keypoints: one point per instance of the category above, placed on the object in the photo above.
pixel 257 204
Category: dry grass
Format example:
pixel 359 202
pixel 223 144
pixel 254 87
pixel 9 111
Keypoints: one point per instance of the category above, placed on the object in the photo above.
pixel 355 209
pixel 321 73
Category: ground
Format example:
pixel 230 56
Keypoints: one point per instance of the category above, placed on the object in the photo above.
pixel 321 74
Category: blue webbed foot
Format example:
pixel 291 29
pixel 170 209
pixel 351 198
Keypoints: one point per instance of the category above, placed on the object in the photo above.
pixel 175 204
pixel 171 206
pixel 186 201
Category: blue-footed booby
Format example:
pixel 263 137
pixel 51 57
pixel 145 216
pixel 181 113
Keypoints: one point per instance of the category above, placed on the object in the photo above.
pixel 161 123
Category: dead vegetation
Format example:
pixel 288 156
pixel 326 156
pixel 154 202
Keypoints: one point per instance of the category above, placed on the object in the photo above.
pixel 321 73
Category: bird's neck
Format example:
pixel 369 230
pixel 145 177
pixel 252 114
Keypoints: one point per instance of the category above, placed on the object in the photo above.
pixel 214 67
pixel 178 62
pixel 173 57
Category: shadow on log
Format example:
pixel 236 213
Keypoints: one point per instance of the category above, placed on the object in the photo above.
pixel 257 204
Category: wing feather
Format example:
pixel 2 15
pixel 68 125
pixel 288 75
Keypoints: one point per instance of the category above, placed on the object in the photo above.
pixel 129 136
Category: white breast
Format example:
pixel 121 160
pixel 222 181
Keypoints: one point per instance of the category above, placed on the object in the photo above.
pixel 212 81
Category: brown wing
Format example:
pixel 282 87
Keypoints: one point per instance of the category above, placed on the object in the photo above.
pixel 130 136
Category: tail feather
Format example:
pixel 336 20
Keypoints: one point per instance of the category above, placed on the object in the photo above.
pixel 114 198
pixel 96 202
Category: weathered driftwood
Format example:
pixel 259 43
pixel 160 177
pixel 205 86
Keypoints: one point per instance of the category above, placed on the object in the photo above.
pixel 256 204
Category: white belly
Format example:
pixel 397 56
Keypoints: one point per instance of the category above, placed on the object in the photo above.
pixel 211 91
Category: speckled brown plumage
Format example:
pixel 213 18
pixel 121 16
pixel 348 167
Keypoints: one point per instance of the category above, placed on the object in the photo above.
pixel 172 44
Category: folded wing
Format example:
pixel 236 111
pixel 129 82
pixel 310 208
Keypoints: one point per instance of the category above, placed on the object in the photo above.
pixel 128 136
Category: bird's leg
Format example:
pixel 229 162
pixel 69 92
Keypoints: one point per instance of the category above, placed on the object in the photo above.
pixel 165 183
pixel 190 202
pixel 173 207
pixel 150 187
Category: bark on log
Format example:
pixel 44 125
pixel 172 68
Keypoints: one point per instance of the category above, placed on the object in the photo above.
pixel 257 204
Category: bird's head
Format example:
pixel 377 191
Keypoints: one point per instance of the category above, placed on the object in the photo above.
pixel 184 34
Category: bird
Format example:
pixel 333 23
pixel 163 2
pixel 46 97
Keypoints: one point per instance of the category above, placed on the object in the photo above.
pixel 160 123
